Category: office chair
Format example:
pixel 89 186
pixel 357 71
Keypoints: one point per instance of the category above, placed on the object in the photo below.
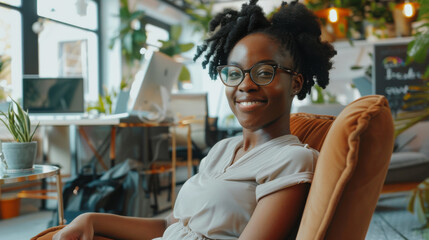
pixel 355 150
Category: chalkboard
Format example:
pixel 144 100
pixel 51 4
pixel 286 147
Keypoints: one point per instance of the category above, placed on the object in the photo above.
pixel 391 76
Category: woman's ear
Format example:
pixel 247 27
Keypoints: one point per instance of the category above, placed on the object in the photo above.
pixel 297 82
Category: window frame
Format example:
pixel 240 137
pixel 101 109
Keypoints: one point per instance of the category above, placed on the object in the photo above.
pixel 30 47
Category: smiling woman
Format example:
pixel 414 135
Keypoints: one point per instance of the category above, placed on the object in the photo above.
pixel 259 177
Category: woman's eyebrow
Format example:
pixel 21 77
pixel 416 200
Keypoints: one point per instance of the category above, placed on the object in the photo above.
pixel 262 61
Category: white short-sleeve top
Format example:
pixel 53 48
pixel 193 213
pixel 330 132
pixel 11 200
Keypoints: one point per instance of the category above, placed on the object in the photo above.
pixel 217 203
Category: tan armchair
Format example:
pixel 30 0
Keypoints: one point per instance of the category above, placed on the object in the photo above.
pixel 355 150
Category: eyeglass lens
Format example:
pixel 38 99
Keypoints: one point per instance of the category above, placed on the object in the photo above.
pixel 261 74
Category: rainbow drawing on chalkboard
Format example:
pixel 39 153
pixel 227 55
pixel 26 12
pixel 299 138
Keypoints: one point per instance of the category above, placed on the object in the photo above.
pixel 393 61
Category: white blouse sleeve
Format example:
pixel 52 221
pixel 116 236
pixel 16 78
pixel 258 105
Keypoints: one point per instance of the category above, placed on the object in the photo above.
pixel 292 166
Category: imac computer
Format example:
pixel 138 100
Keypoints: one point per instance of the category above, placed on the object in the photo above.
pixel 150 92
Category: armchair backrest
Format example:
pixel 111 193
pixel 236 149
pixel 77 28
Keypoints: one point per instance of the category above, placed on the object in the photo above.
pixel 355 150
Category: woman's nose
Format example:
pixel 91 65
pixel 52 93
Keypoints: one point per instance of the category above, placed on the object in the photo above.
pixel 247 84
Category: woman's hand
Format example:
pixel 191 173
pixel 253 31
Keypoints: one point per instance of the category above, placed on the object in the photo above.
pixel 80 228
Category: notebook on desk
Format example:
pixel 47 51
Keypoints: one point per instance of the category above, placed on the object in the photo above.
pixel 53 98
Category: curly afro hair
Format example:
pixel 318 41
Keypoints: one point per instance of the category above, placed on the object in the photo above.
pixel 293 26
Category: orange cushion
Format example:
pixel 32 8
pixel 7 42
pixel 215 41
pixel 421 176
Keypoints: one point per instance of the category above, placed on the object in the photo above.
pixel 311 128
pixel 49 233
pixel 350 170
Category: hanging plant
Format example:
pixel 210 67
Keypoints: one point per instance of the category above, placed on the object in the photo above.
pixel 132 35
pixel 419 46
pixel 201 15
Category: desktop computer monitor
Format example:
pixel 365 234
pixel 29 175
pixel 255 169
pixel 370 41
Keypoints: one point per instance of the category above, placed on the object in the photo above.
pixel 152 86
pixel 53 95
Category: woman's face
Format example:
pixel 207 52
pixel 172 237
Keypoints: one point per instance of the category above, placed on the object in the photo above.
pixel 256 106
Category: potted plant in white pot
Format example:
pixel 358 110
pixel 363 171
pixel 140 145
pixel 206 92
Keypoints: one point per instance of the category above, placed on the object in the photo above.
pixel 20 154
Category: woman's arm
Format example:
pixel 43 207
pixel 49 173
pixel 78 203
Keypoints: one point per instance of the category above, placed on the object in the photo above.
pixel 276 214
pixel 114 226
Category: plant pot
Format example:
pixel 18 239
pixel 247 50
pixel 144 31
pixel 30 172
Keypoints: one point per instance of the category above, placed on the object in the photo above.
pixel 9 206
pixel 20 157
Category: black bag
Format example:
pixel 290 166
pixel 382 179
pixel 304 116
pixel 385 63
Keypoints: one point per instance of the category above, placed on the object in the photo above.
pixel 94 195
pixel 121 190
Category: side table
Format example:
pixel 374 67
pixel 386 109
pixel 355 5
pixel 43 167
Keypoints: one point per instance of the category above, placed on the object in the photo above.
pixel 39 172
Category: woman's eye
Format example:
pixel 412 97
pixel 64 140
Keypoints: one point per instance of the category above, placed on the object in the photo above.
pixel 265 73
pixel 234 74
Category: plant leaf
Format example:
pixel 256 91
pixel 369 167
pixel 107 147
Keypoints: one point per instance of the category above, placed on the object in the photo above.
pixel 138 14
pixel 176 31
pixel 24 126
pixel 127 42
pixel 184 74
pixel 419 208
pixel 418 48
pixel 32 135
pixel 410 206
pixel 186 47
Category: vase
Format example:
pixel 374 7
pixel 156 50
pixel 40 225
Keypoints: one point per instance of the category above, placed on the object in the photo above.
pixel 20 157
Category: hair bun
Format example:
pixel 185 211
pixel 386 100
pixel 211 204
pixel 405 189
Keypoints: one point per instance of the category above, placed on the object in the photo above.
pixel 296 18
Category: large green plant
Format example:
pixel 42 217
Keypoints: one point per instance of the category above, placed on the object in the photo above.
pixel 419 46
pixel 132 35
pixel 18 123
pixel 201 15
pixel 173 47
pixel 416 107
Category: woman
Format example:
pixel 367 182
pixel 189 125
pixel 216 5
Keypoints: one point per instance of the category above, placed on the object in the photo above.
pixel 253 186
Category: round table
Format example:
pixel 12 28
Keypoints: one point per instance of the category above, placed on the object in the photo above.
pixel 38 172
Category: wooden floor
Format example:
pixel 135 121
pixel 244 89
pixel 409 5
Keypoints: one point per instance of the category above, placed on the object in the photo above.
pixel 392 221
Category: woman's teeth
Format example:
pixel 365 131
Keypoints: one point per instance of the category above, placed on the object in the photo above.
pixel 248 103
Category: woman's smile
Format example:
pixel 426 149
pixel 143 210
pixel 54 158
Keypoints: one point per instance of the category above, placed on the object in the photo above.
pixel 250 105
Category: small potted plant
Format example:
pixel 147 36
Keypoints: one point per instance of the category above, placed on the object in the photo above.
pixel 21 153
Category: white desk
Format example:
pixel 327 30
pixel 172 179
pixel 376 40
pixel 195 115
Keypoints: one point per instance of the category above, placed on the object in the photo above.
pixel 76 122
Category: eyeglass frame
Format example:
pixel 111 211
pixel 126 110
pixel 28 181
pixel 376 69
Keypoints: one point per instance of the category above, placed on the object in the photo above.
pixel 275 66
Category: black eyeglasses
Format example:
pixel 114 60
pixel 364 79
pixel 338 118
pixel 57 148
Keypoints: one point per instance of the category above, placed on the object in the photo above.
pixel 261 73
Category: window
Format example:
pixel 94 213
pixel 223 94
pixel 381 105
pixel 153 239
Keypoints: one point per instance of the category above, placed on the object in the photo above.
pixel 81 13
pixel 68 51
pixel 154 34
pixel 16 3
pixel 10 53
pixel 49 38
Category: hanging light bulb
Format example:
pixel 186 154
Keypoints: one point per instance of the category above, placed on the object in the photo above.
pixel 333 15
pixel 408 10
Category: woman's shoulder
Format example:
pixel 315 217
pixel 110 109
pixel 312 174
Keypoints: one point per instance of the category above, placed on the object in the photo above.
pixel 289 143
pixel 290 148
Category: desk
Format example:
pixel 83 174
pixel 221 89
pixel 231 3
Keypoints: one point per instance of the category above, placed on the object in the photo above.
pixel 39 172
pixel 115 124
